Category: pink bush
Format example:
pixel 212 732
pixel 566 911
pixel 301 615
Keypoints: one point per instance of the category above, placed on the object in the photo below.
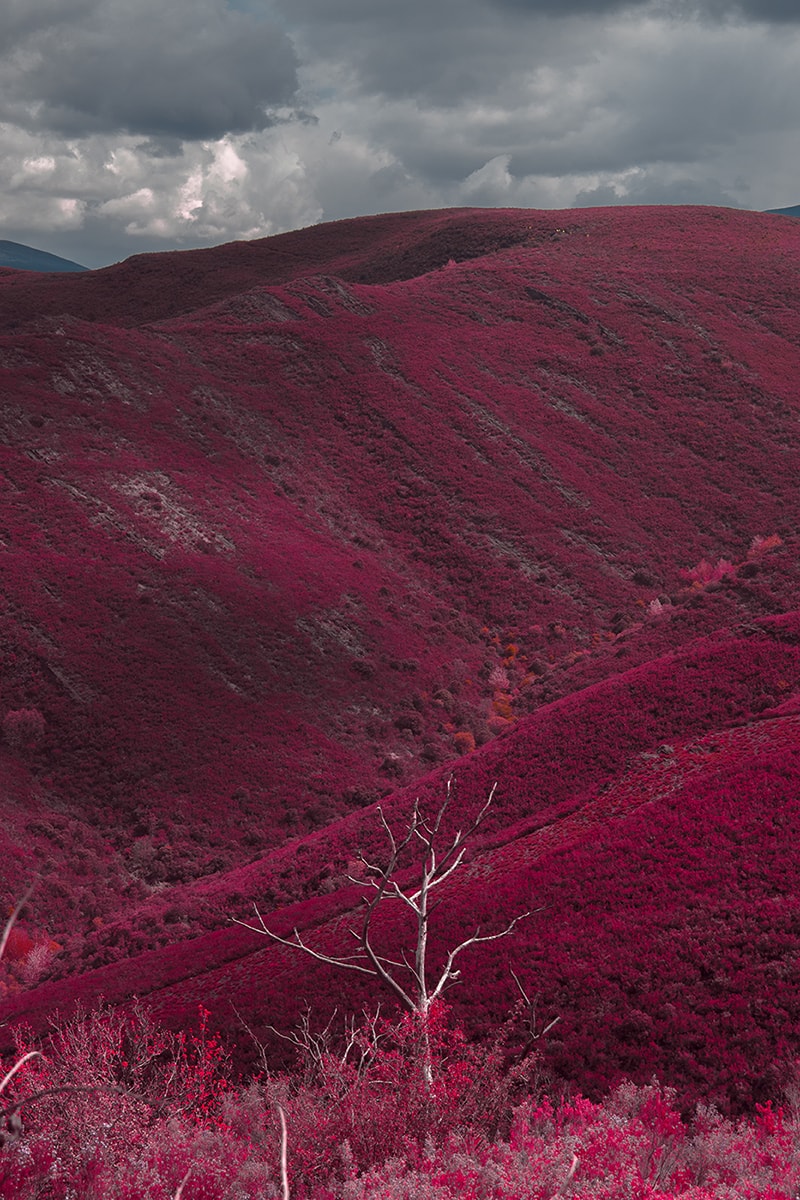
pixel 707 572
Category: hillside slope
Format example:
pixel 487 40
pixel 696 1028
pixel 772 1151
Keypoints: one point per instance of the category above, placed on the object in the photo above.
pixel 648 822
pixel 289 525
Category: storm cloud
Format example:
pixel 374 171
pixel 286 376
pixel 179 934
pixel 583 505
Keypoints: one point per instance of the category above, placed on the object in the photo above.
pixel 133 126
pixel 190 69
pixel 757 10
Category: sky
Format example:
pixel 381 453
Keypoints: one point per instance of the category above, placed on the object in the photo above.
pixel 139 125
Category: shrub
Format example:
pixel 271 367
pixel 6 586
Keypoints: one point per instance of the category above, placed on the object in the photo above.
pixel 498 679
pixel 114 1106
pixel 464 741
pixel 121 1110
pixel 762 545
pixel 23 728
pixel 706 572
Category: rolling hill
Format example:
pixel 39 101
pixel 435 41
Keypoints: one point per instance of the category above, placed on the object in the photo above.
pixel 293 526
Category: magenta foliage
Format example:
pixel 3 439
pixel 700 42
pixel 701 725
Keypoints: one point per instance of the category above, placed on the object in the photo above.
pixel 119 1110
pixel 23 728
pixel 661 854
pixel 706 572
pixel 286 525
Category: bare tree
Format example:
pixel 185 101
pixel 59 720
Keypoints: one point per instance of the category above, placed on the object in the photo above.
pixel 532 1028
pixel 408 978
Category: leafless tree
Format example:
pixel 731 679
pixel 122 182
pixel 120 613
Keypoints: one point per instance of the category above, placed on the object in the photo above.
pixel 408 977
pixel 533 1030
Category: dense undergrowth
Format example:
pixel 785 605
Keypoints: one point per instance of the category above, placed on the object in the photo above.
pixel 116 1109
pixel 659 847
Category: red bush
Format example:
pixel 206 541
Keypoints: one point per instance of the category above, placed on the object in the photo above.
pixel 464 741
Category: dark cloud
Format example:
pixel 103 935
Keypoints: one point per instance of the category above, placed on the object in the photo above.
pixel 458 17
pixel 431 52
pixel 569 8
pixel 777 11
pixel 438 53
pixel 771 10
pixel 757 10
pixel 189 69
pixel 20 18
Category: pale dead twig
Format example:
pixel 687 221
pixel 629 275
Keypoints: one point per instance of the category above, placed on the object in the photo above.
pixel 12 920
pixel 573 1168
pixel 416 994
pixel 533 1034
pixel 182 1184
pixel 21 1063
pixel 10 1115
pixel 284 1153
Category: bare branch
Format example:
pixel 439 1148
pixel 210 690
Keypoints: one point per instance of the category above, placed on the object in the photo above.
pixel 397 893
pixel 297 943
pixel 386 976
pixel 406 978
pixel 12 920
pixel 523 993
pixel 573 1168
pixel 395 846
pixel 533 1035
pixel 462 837
pixel 413 970
pixel 442 873
pixel 182 1184
pixel 448 975
pixel 259 1045
pixel 21 1063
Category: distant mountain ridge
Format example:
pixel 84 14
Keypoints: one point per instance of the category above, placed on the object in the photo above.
pixel 792 211
pixel 26 258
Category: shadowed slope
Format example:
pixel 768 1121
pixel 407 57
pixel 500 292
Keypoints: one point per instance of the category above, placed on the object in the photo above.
pixel 380 249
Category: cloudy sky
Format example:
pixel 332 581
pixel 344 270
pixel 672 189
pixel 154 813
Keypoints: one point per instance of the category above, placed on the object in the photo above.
pixel 131 125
